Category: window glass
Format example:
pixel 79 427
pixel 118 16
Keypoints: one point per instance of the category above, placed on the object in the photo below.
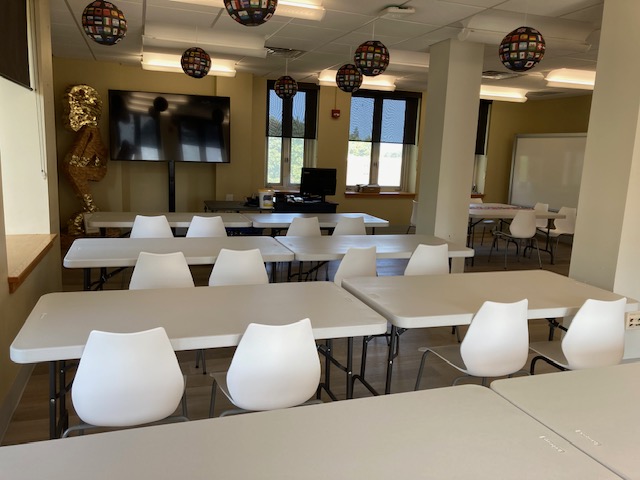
pixel 393 120
pixel 298 114
pixel 296 161
pixel 275 114
pixel 361 123
pixel 358 163
pixel 274 159
pixel 390 164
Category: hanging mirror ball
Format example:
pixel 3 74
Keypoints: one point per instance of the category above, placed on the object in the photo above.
pixel 371 58
pixel 251 13
pixel 522 49
pixel 195 62
pixel 285 87
pixel 348 78
pixel 104 23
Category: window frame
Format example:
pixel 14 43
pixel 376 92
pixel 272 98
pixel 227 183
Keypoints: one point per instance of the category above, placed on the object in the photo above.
pixel 309 136
pixel 410 134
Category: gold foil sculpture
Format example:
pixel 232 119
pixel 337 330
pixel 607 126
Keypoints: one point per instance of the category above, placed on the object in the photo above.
pixel 86 161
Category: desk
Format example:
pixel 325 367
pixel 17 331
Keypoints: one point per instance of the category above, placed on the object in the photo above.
pixel 88 253
pixel 327 247
pixel 326 220
pixel 501 211
pixel 194 318
pixel 176 219
pixel 450 433
pixel 446 300
pixel 593 409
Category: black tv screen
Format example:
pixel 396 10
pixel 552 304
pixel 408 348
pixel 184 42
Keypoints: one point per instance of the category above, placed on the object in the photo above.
pixel 318 181
pixel 168 127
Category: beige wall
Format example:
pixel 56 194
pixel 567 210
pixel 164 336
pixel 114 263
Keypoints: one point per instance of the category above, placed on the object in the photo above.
pixel 565 115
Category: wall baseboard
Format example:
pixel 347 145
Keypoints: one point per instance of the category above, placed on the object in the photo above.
pixel 10 403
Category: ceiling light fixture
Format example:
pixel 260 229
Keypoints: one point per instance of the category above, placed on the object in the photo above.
pixel 162 62
pixel 503 94
pixel 301 10
pixel 570 78
pixel 386 83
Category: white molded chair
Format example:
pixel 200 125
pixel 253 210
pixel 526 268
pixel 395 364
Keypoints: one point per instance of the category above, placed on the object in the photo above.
pixel 161 270
pixel 523 227
pixel 350 226
pixel 541 223
pixel 414 215
pixel 357 262
pixel 151 227
pixel 127 379
pixel 304 227
pixel 428 260
pixel 595 338
pixel 564 226
pixel 274 366
pixel 238 267
pixel 206 227
pixel 496 343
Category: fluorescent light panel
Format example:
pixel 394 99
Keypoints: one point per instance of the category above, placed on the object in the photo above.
pixel 162 62
pixel 387 83
pixel 503 94
pixel 570 78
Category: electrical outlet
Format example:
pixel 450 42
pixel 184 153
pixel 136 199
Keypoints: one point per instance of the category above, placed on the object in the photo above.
pixel 632 320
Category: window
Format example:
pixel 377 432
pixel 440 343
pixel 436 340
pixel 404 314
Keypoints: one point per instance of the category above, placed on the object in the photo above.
pixel 382 138
pixel 291 135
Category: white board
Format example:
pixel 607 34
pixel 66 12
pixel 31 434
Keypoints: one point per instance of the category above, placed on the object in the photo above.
pixel 547 169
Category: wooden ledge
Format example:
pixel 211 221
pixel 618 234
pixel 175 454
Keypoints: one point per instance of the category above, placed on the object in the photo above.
pixel 385 195
pixel 24 252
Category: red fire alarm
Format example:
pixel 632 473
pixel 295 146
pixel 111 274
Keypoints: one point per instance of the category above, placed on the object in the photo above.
pixel 335 113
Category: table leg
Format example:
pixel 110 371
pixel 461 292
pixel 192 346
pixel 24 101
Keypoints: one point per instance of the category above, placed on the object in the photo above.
pixel 87 278
pixel 58 414
pixel 393 353
pixel 349 368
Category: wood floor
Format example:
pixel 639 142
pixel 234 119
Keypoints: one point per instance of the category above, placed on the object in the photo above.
pixel 30 420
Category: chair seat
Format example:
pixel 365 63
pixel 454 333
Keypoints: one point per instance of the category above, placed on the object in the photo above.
pixel 551 350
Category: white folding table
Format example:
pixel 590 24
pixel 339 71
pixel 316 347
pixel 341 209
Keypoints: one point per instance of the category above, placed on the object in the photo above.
pixel 326 220
pixel 329 247
pixel 454 433
pixel 448 300
pixel 194 318
pixel 593 409
pixel 176 219
pixel 103 253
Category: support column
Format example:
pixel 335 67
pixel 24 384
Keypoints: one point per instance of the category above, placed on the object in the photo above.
pixel 453 96
pixel 606 248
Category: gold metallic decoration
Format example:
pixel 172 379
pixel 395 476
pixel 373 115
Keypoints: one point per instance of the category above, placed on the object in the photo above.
pixel 86 161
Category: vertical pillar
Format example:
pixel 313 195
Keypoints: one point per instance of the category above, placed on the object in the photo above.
pixel 606 249
pixel 453 96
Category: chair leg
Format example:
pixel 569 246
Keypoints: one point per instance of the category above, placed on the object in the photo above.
pixel 544 359
pixel 538 250
pixel 212 404
pixel 420 370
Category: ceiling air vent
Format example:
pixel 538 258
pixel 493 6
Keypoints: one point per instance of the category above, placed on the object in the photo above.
pixel 496 75
pixel 289 53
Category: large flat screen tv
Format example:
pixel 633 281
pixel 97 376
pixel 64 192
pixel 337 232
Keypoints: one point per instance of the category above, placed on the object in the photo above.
pixel 168 127
pixel 317 182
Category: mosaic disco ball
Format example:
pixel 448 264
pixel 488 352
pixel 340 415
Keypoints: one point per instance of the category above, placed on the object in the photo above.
pixel 195 62
pixel 522 49
pixel 348 78
pixel 251 13
pixel 371 58
pixel 104 23
pixel 285 87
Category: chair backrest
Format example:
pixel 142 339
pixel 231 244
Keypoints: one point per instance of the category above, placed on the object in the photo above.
pixel 541 207
pixel 274 366
pixel 523 224
pixel 238 267
pixel 566 225
pixel 350 226
pixel 206 227
pixel 497 342
pixel 428 260
pixel 595 337
pixel 304 227
pixel 161 270
pixel 151 227
pixel 357 262
pixel 126 379
pixel 414 213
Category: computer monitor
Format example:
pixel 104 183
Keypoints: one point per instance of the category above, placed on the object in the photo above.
pixel 317 182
